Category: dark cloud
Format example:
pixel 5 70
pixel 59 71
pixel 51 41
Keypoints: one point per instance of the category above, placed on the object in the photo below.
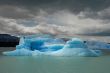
pixel 75 5
pixel 105 32
pixel 85 17
pixel 14 12
pixel 52 6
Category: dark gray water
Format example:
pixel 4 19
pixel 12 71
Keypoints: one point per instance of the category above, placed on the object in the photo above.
pixel 50 64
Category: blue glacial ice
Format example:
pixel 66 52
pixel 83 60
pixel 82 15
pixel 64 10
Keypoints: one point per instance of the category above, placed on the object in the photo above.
pixel 76 47
pixel 53 47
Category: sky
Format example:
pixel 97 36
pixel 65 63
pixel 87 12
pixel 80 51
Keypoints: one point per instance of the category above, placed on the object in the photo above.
pixel 57 17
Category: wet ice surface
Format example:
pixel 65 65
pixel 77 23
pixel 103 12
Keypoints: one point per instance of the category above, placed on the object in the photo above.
pixel 35 46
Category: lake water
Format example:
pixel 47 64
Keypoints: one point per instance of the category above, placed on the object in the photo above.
pixel 50 64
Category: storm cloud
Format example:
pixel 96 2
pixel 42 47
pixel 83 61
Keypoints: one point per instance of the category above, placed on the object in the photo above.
pixel 67 17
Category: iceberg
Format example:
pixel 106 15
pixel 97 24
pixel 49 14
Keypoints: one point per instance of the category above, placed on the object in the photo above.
pixel 34 46
pixel 76 47
pixel 98 45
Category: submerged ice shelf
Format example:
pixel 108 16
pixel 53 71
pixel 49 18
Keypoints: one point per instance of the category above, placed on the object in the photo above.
pixel 35 46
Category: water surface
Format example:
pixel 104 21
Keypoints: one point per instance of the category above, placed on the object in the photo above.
pixel 51 64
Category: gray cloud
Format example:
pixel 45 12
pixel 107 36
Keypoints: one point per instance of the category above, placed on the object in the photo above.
pixel 28 8
pixel 74 17
pixel 62 22
pixel 14 12
pixel 71 4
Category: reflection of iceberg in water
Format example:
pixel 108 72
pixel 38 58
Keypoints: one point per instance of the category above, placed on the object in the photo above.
pixel 52 46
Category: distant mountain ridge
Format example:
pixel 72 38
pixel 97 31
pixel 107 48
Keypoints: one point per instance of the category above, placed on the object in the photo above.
pixel 7 40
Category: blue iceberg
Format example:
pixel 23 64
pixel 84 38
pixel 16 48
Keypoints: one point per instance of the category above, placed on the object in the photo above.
pixel 76 47
pixel 34 46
